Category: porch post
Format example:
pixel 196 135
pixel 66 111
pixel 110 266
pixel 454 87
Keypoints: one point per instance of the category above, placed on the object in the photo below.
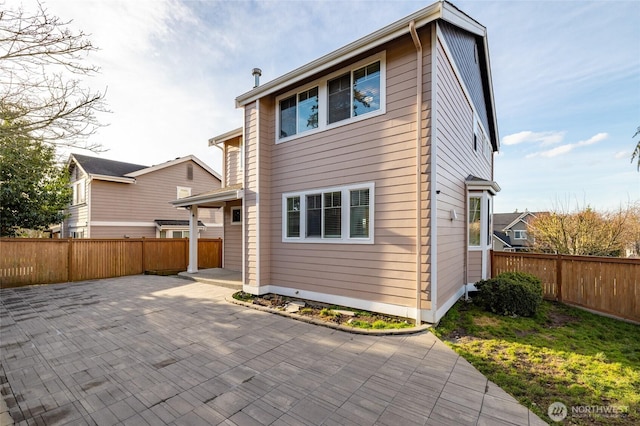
pixel 193 239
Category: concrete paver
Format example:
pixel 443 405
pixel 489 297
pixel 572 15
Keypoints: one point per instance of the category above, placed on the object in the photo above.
pixel 162 350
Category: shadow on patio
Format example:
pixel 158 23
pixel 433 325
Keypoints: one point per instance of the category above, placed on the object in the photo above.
pixel 217 276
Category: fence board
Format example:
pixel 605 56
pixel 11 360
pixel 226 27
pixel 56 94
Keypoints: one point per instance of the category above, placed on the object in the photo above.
pixel 43 261
pixel 603 284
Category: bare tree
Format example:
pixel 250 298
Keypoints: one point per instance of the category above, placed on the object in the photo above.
pixel 585 232
pixel 41 65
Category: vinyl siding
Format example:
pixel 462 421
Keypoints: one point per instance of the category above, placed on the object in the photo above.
pixel 380 149
pixel 475 266
pixel 456 159
pixel 233 165
pixel 78 215
pixel 250 189
pixel 149 198
pixel 462 46
pixel 232 240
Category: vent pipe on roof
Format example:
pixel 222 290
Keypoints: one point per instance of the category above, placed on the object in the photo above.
pixel 257 72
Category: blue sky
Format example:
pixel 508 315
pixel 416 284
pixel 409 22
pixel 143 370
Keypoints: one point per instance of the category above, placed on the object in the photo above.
pixel 566 77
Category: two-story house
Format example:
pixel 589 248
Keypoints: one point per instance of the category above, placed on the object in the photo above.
pixel 510 231
pixel 114 199
pixel 365 177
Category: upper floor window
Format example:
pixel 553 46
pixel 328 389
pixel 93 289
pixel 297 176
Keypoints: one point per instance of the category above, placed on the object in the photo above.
pixel 339 98
pixel 519 234
pixel 79 192
pixel 299 113
pixel 341 215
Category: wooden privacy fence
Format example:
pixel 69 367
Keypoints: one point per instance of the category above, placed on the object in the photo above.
pixel 608 285
pixel 41 261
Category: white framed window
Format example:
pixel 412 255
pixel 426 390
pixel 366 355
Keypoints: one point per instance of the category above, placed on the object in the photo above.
pixel 519 234
pixel 79 192
pixel 345 96
pixel 479 212
pixel 174 233
pixel 183 192
pixel 299 113
pixel 236 215
pixel 475 221
pixel 331 215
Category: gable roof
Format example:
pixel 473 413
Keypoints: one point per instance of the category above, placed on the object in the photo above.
pixel 504 221
pixel 440 10
pixel 104 167
pixel 119 171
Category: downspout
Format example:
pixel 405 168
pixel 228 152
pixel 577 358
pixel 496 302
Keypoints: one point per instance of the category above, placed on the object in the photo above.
pixel 419 60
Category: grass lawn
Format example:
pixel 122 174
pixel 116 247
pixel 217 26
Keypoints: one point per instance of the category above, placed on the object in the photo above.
pixel 562 354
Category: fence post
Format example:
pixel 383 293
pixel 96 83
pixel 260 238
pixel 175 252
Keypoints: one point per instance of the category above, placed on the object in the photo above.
pixel 559 277
pixel 69 260
pixel 144 259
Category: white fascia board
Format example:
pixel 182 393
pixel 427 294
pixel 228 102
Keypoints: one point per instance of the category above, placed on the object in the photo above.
pixel 492 187
pixel 173 163
pixel 375 39
pixel 204 199
pixel 112 178
pixel 217 140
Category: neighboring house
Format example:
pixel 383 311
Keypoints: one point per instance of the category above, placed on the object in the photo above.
pixel 510 231
pixel 113 199
pixel 365 178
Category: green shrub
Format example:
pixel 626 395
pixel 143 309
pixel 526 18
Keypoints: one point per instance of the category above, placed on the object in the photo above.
pixel 510 293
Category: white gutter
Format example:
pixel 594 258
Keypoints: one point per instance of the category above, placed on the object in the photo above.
pixel 419 59
pixel 378 38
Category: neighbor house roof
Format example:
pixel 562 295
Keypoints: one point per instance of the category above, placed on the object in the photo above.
pixel 104 167
pixel 119 171
pixel 438 10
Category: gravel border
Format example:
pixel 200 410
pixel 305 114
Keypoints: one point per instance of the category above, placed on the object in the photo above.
pixel 314 321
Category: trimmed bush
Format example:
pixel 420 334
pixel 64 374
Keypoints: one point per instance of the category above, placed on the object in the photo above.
pixel 510 293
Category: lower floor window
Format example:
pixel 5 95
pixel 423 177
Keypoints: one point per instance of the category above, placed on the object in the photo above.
pixel 343 214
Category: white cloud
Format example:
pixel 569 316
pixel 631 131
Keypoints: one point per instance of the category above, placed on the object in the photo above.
pixel 622 154
pixel 563 149
pixel 546 138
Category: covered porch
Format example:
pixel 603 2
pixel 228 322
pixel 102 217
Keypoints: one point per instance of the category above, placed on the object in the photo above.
pixel 218 198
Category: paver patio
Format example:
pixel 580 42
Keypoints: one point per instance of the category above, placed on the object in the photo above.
pixel 161 350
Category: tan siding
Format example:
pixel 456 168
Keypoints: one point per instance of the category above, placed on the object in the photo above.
pixel 232 240
pixel 380 150
pixel 456 160
pixel 79 214
pixel 149 198
pixel 475 266
pixel 233 169
pixel 250 189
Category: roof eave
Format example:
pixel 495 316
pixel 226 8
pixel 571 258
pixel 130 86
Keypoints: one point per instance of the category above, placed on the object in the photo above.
pixel 119 179
pixel 217 140
pixel 236 194
pixel 377 38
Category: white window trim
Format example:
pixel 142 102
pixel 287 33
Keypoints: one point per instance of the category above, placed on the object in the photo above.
pixel 345 215
pixel 519 232
pixel 322 99
pixel 485 217
pixel 238 208
pixel 79 189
